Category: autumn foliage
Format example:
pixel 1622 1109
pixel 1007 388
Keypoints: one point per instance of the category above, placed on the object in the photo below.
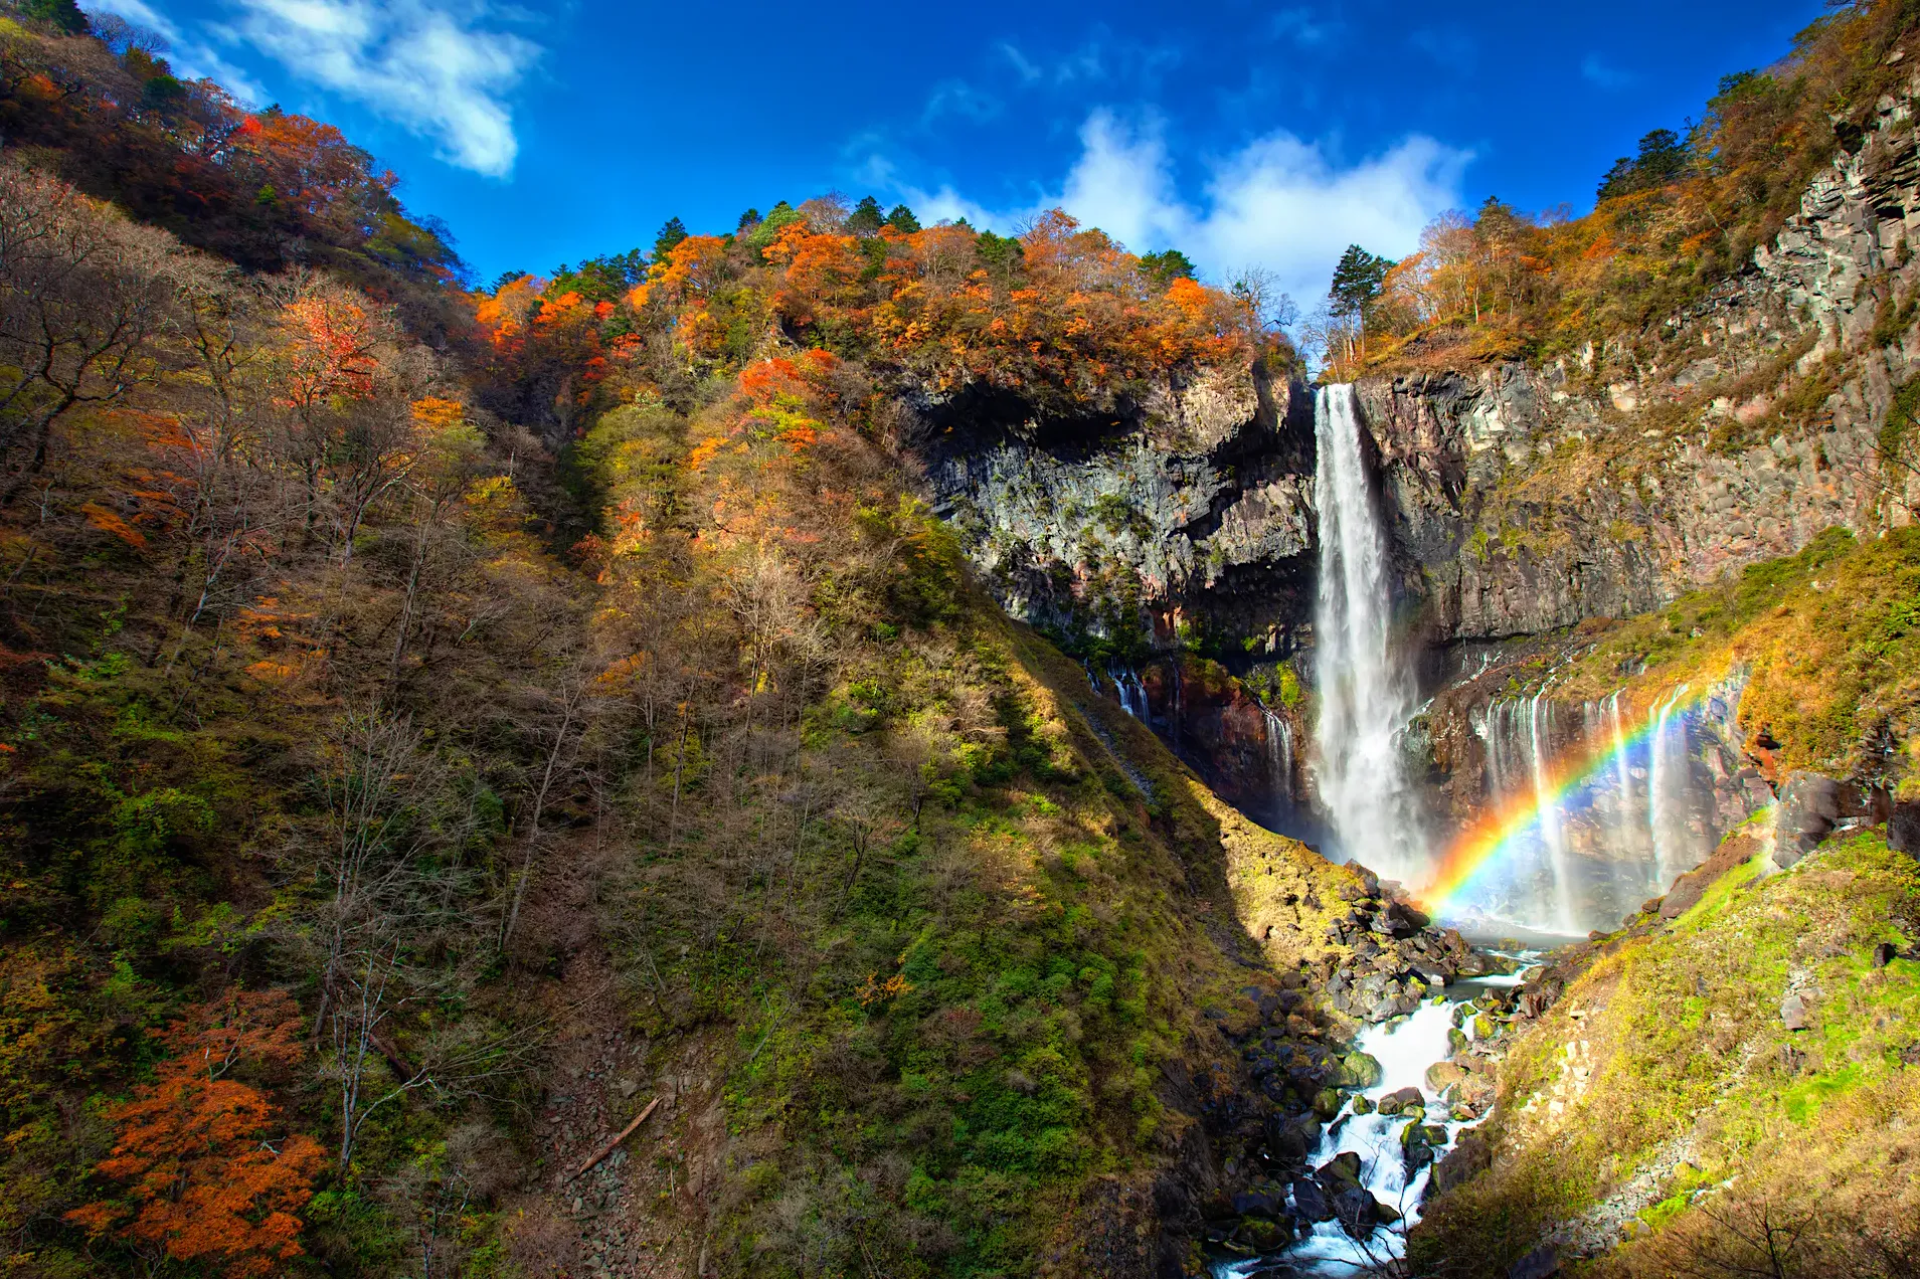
pixel 206 1173
pixel 1668 225
pixel 1062 315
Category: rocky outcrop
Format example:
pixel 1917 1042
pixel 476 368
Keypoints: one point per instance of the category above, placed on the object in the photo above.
pixel 1126 522
pixel 1528 497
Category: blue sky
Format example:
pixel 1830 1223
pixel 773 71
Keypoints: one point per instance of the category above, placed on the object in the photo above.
pixel 1266 135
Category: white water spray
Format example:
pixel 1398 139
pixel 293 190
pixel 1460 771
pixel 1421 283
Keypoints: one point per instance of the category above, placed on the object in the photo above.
pixel 1364 696
pixel 1660 765
pixel 1552 822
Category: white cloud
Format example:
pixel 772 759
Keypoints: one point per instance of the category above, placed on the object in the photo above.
pixel 1604 75
pixel 441 68
pixel 1279 204
pixel 957 97
pixel 1303 26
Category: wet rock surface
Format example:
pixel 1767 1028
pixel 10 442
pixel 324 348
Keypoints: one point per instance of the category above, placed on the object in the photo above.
pixel 1397 958
pixel 1259 1192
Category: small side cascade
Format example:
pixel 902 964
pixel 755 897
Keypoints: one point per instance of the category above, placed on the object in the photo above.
pixel 1590 815
pixel 1133 694
pixel 1666 784
pixel 1279 752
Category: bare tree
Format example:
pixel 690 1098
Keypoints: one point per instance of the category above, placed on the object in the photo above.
pixel 557 718
pixel 83 295
pixel 386 806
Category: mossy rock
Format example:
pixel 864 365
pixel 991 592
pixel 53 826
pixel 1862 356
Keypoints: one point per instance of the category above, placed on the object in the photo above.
pixel 1358 1070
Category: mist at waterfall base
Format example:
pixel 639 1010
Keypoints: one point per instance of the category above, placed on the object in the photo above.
pixel 1576 834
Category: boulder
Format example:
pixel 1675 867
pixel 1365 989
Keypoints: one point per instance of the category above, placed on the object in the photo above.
pixel 1903 828
pixel 1357 1070
pixel 1263 1233
pixel 1358 1211
pixel 1369 883
pixel 1542 1263
pixel 1395 1102
pixel 1418 1142
pixel 1257 1203
pixel 1342 1169
pixel 1883 954
pixel 1473 964
pixel 1443 1075
pixel 1794 1013
pixel 1310 1201
pixel 1810 805
pixel 1289 1140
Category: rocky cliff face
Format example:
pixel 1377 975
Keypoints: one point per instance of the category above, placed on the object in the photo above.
pixel 1135 519
pixel 1523 497
pixel 1529 497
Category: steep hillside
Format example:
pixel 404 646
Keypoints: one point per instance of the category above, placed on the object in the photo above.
pixel 373 855
pixel 734 758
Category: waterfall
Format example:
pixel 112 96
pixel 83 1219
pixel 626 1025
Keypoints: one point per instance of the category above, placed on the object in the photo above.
pixel 1364 697
pixel 1133 694
pixel 1279 752
pixel 1660 798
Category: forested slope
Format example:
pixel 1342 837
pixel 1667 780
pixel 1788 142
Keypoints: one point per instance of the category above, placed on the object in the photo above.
pixel 438 722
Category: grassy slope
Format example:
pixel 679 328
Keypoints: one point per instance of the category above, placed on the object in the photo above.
pixel 1703 1119
pixel 1702 1110
pixel 1056 937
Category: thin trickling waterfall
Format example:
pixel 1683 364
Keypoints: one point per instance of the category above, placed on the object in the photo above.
pixel 1661 764
pixel 1622 767
pixel 1553 830
pixel 1364 697
pixel 1280 753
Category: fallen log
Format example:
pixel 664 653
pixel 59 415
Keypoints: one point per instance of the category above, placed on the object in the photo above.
pixel 608 1149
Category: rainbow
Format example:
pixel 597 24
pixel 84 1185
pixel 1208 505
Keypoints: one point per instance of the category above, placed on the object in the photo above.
pixel 1498 833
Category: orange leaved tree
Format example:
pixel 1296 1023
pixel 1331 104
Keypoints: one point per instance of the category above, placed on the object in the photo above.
pixel 204 1181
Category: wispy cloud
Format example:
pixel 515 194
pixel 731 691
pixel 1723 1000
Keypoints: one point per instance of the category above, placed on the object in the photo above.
pixel 1304 27
pixel 1026 68
pixel 443 69
pixel 1452 47
pixel 1600 73
pixel 958 98
pixel 1280 203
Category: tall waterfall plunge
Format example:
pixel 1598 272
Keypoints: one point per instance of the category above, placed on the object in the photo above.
pixel 1588 814
pixel 1365 692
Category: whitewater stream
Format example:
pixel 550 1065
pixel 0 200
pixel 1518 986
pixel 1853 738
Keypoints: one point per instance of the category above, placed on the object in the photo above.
pixel 1404 1048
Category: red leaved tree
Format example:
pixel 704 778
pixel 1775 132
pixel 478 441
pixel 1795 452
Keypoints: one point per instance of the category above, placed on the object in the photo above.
pixel 204 1182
